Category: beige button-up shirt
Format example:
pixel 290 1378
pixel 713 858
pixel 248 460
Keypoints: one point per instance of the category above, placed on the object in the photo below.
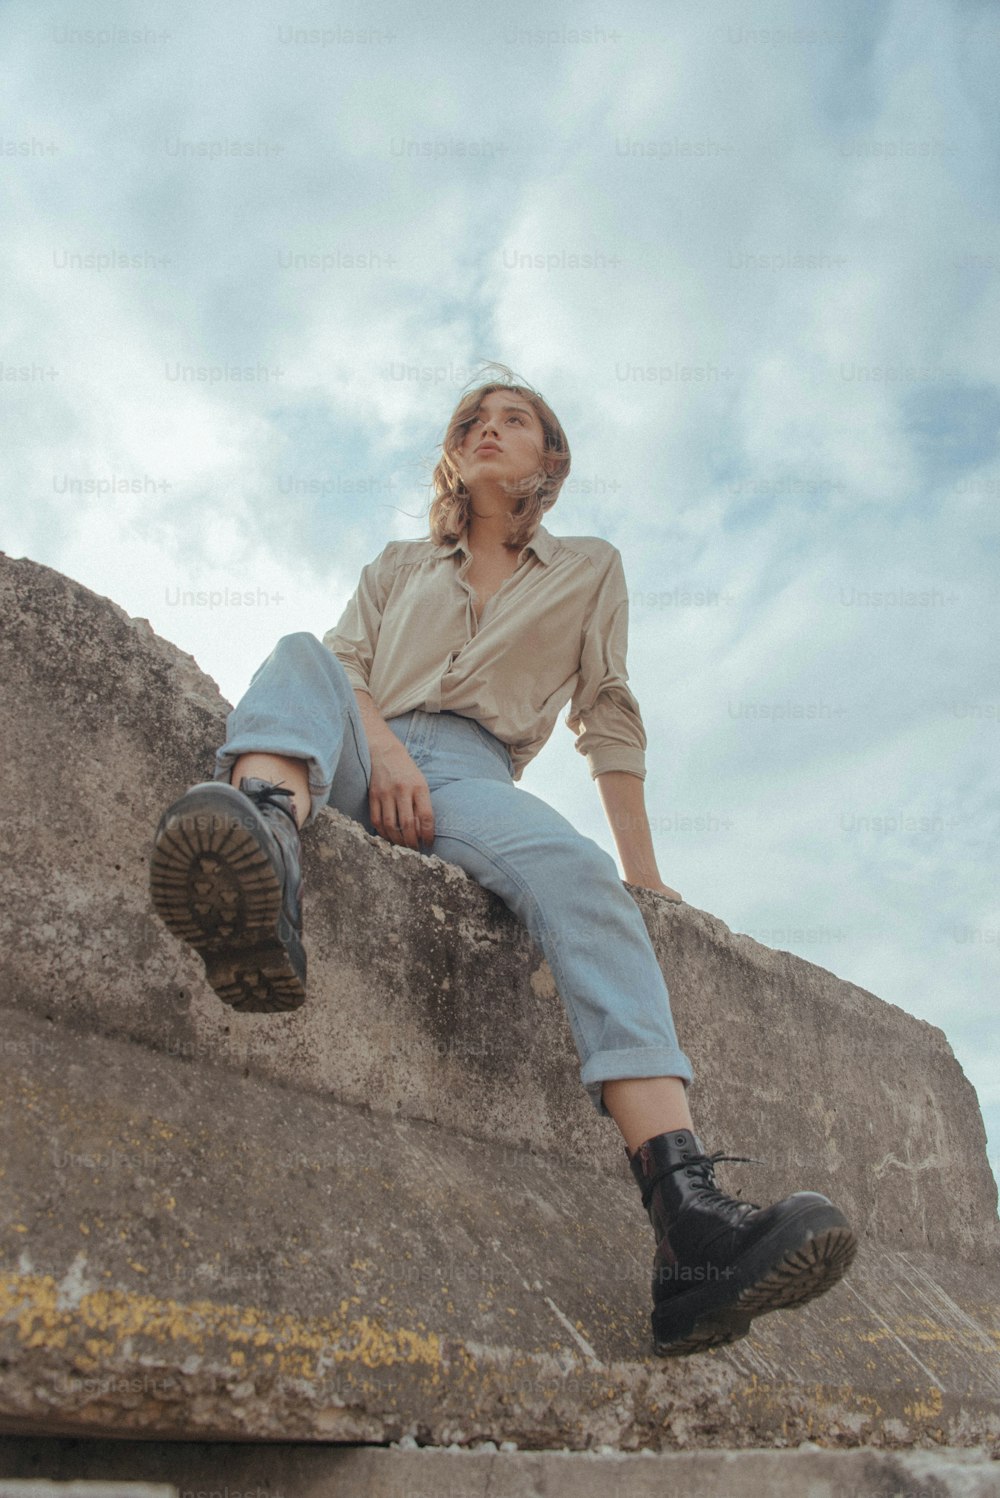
pixel 555 632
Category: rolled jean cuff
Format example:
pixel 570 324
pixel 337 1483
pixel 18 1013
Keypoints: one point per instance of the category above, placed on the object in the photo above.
pixel 616 1066
pixel 319 792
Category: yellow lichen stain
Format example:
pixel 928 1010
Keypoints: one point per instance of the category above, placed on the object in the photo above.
pixel 19 1227
pixel 911 1329
pixel 139 1268
pixel 238 1358
pixel 926 1409
pixel 775 1397
pixel 31 1303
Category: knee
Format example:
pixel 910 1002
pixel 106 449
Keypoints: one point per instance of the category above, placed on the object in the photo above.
pixel 303 647
pixel 301 639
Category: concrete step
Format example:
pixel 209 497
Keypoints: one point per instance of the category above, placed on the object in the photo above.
pixel 193 1255
pixel 283 1471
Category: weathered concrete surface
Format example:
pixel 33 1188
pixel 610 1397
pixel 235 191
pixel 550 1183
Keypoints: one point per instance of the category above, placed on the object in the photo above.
pixel 392 1212
pixel 83 1488
pixel 222 1471
pixel 191 1253
pixel 427 997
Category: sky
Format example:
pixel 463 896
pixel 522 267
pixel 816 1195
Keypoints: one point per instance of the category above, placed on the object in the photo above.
pixel 252 254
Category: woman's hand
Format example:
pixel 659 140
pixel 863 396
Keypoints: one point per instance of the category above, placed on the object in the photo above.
pixel 399 797
pixel 658 886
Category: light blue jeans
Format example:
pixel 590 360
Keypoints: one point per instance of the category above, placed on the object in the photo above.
pixel 563 886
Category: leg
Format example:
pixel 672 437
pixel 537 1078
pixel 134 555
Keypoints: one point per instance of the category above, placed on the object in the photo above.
pixel 719 1260
pixel 645 1106
pixel 298 722
pixel 568 893
pixel 280 771
pixel 225 871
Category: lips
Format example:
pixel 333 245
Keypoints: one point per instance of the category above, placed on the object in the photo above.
pixel 491 447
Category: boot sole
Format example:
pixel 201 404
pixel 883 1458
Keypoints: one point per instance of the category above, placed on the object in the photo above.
pixel 213 885
pixel 803 1269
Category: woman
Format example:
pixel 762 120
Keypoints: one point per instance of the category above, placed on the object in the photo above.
pixel 416 716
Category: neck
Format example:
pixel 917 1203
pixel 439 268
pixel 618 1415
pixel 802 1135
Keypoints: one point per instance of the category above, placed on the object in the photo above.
pixel 488 528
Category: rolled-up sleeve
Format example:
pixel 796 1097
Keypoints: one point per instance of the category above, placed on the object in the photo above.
pixel 603 713
pixel 354 637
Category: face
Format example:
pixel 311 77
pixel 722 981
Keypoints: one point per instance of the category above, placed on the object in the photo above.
pixel 504 441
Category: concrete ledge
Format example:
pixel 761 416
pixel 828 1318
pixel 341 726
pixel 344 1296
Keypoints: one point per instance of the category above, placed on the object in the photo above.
pixel 189 1254
pixel 282 1471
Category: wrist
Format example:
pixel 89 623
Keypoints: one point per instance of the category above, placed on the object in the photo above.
pixel 381 748
pixel 378 734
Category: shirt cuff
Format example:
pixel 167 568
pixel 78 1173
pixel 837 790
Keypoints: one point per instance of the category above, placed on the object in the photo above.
pixel 353 675
pixel 618 757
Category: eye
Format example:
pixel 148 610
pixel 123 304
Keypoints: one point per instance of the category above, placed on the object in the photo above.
pixel 515 417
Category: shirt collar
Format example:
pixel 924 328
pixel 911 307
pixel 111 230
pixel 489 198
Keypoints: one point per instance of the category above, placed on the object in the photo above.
pixel 542 543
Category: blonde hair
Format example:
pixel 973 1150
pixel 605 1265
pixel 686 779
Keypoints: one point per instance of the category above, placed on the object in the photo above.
pixel 450 510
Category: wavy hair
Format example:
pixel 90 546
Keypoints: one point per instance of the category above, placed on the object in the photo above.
pixel 450 509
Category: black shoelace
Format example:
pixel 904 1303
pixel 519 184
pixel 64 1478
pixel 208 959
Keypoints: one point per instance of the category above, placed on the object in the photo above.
pixel 705 1165
pixel 264 796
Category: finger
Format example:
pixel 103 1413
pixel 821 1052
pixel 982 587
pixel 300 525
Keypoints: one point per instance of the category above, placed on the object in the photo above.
pixel 383 812
pixel 408 826
pixel 425 816
pixel 392 818
pixel 394 826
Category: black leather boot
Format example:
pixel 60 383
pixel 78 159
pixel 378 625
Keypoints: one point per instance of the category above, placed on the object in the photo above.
pixel 226 876
pixel 719 1261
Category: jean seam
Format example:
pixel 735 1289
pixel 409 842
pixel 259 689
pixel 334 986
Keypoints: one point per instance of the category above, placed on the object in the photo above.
pixel 494 745
pixel 357 746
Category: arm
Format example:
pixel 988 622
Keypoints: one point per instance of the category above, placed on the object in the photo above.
pixel 399 799
pixel 605 715
pixel 623 798
pixel 398 795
